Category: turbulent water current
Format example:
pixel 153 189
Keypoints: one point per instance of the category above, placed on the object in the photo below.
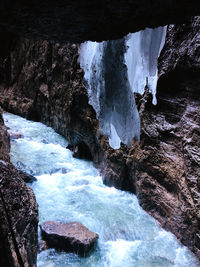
pixel 69 189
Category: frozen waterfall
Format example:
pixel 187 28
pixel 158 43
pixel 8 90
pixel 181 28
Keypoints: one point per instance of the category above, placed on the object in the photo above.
pixel 113 71
pixel 144 48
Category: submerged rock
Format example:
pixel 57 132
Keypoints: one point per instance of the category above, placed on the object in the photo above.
pixel 42 245
pixel 71 237
pixel 81 182
pixel 59 170
pixel 16 135
pixel 28 178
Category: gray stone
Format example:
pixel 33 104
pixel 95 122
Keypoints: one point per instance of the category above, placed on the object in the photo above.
pixel 71 237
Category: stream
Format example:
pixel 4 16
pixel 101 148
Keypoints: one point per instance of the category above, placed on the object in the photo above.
pixel 69 189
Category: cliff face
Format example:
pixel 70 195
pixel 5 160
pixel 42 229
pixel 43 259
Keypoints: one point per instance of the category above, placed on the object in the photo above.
pixel 49 81
pixel 45 83
pixel 166 165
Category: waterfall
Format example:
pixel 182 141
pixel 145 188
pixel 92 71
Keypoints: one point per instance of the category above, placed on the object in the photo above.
pixel 113 70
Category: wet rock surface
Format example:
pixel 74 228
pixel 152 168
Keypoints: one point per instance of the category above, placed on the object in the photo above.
pixel 71 237
pixel 4 140
pixel 164 169
pixel 18 211
pixel 15 135
pixel 42 245
pixel 18 220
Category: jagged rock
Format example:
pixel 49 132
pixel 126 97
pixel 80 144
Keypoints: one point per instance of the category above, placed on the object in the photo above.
pixel 18 220
pixel 4 140
pixel 165 169
pixel 18 212
pixel 68 236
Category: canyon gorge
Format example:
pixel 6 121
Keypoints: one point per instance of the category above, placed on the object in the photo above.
pixel 41 80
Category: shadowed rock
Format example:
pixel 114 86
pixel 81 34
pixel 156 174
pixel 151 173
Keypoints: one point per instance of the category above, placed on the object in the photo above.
pixel 71 237
pixel 18 220
pixel 18 212
pixel 28 178
pixel 4 140
pixel 78 20
pixel 42 245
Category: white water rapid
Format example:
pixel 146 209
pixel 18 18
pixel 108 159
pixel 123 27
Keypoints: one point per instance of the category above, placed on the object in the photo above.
pixel 70 189
pixel 113 70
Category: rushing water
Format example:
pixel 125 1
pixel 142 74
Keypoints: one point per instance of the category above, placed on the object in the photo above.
pixel 70 189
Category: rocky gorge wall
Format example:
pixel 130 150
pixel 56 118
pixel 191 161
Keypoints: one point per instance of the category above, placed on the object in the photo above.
pixel 18 212
pixel 4 140
pixel 44 82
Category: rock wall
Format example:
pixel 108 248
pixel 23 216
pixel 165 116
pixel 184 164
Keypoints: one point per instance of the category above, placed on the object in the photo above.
pixel 45 84
pixel 18 220
pixel 4 140
pixel 166 166
pixel 18 212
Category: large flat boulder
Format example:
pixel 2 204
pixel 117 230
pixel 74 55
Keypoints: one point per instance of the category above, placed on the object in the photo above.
pixel 71 237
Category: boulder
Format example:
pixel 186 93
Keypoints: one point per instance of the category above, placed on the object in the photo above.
pixel 71 237
pixel 28 178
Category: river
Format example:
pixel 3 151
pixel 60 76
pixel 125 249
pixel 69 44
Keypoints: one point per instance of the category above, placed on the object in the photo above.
pixel 69 189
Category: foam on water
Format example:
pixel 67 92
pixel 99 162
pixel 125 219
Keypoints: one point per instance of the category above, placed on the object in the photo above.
pixel 70 189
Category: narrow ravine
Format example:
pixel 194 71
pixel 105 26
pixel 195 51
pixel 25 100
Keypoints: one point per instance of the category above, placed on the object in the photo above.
pixel 68 189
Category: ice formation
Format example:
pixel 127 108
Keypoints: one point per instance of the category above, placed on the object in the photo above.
pixel 113 70
pixel 144 48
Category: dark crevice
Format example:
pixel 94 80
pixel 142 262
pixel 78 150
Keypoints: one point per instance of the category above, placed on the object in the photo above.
pixel 81 151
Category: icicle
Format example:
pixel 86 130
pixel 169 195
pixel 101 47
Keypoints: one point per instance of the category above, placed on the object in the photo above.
pixel 114 140
pixel 144 48
pixel 109 90
pixel 111 70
